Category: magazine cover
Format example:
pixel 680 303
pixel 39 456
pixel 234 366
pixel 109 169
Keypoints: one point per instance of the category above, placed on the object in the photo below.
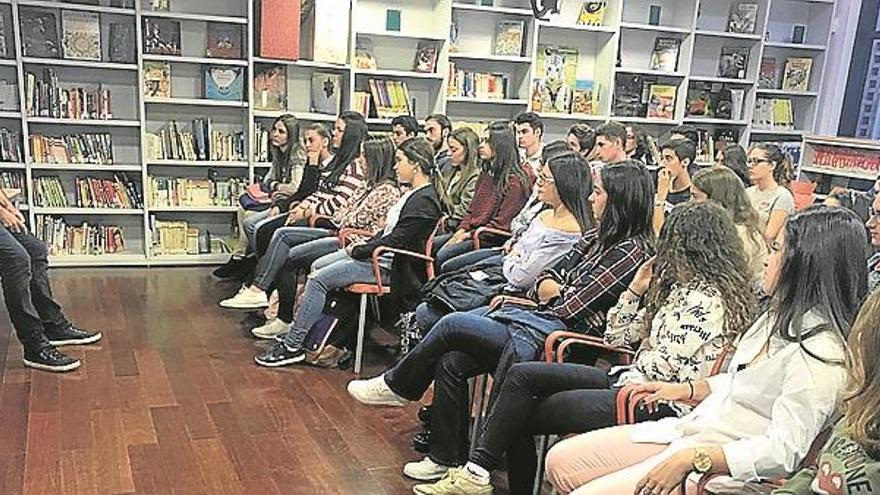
pixel 426 57
pixel 585 97
pixel 767 74
pixel 39 33
pixel 743 18
pixel 796 76
pixel 224 40
pixel 628 90
pixel 224 83
pixel 665 54
pixel 122 42
pixel 592 13
pixel 699 100
pixel 161 36
pixel 270 87
pixel 733 62
pixel 363 54
pixel 509 37
pixel 81 35
pixel 326 93
pixel 661 101
pixel 157 79
pixel 555 77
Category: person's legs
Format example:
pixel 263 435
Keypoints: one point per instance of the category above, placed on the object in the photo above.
pixel 241 246
pixel 16 276
pixel 626 479
pixel 449 251
pixel 249 227
pixel 299 259
pixel 427 316
pixel 41 291
pixel 282 241
pixel 263 231
pixel 471 258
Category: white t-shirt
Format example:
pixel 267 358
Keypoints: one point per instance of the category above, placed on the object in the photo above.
pixel 766 202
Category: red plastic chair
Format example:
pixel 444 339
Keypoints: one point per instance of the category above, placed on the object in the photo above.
pixel 478 235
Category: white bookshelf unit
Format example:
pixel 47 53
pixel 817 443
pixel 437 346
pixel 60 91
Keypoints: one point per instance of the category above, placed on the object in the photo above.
pixel 620 47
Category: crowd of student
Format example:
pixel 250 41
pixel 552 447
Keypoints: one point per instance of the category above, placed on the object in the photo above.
pixel 603 234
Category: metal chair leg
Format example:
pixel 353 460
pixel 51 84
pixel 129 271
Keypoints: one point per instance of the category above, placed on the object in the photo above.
pixel 539 474
pixel 362 321
pixel 480 384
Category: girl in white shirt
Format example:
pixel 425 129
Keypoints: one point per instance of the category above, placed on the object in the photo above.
pixel 758 419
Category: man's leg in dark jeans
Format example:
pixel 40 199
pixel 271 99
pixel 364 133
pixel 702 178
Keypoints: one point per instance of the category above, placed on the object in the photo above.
pixel 41 290
pixel 16 275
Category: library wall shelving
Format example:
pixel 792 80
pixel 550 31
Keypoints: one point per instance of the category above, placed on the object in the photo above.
pixel 836 162
pixel 461 36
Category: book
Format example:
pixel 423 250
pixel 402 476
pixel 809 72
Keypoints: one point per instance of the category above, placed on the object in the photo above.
pixel 661 101
pixel 279 29
pixel 122 42
pixel 733 62
pixel 426 57
pixel 390 98
pixel 330 21
pixel 592 13
pixel 270 87
pixel 361 102
pixel 80 35
pixel 161 36
pixel 473 84
pixel 767 73
pixel 39 33
pixel 10 145
pixel 585 97
pixel 363 54
pixel 555 77
pixel 157 79
pixel 8 95
pixel 665 54
pixel 326 93
pixel 509 36
pixel 4 48
pixel 224 40
pixel 453 34
pixel 796 75
pixel 45 97
pixel 160 5
pixel 737 97
pixel 96 149
pixel 742 18
pixel 628 91
pixel 224 83
pixel 200 142
pixel 699 100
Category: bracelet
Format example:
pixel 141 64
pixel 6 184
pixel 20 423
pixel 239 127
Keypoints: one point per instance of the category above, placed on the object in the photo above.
pixel 691 395
pixel 635 293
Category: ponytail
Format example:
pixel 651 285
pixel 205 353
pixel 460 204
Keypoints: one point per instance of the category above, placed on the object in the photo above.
pixel 418 150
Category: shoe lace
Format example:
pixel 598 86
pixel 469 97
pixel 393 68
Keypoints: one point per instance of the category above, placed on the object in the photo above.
pixel 53 353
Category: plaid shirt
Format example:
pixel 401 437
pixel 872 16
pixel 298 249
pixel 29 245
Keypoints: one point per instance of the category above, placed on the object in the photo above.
pixel 592 279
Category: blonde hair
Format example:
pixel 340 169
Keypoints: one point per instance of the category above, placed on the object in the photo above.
pixel 861 403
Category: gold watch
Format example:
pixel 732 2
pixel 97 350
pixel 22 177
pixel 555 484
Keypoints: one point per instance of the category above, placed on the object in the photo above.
pixel 702 461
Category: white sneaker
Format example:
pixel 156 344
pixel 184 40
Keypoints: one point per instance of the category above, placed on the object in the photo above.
pixel 375 392
pixel 271 329
pixel 425 470
pixel 246 299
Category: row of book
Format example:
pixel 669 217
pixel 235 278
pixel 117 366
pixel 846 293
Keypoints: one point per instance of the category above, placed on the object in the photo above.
pixel 80 36
pixel 62 238
pixel 177 237
pixel 74 148
pixel 262 137
pixel 714 100
pixel 89 192
pixel 643 96
pixel 194 191
pixel 10 145
pixel 360 102
pixel 470 84
pixel 46 98
pixel 220 82
pixel 200 142
pixel 795 74
pixel 773 113
pixel 709 142
pixel 846 159
pixel 390 98
pixel 11 179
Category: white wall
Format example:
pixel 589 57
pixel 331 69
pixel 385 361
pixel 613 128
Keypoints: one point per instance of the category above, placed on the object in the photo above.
pixel 840 48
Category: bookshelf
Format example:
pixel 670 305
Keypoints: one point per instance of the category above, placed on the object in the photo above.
pixel 627 34
pixel 839 162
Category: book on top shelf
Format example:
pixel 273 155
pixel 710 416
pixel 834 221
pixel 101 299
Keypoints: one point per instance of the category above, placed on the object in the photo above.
pixel 509 37
pixel 157 79
pixel 326 93
pixel 329 26
pixel 279 27
pixel 122 42
pixel 665 54
pixel 742 18
pixel 796 76
pixel 733 62
pixel 767 74
pixel 8 95
pixel 390 98
pixel 39 33
pixel 270 87
pixel 585 98
pixel 4 47
pixel 592 13
pixel 224 40
pixel 363 54
pixel 661 101
pixel 81 35
pixel 426 57
pixel 555 77
pixel 224 83
pixel 161 36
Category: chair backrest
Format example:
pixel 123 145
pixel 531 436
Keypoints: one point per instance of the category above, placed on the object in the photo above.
pixel 429 246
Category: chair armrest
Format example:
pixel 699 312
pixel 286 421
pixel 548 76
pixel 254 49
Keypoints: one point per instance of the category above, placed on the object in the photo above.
pixel 551 353
pixel 313 220
pixel 625 355
pixel 377 269
pixel 481 231
pixel 346 233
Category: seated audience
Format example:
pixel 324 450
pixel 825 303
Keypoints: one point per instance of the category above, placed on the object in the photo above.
pixel 734 157
pixel 782 386
pixel 461 174
pixel 437 131
pixel 773 202
pixel 404 127
pixel 610 144
pixel 637 145
pixel 685 131
pixel 581 138
pixel 673 179
pixel 529 138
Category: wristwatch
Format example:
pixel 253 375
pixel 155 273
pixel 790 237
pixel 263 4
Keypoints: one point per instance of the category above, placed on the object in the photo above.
pixel 659 203
pixel 702 461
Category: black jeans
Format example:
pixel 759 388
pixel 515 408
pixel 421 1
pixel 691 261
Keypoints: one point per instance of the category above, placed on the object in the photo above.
pixel 538 399
pixel 297 266
pixel 25 279
pixel 460 346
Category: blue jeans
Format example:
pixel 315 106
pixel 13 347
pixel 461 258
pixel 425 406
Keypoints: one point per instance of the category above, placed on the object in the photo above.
pixel 283 240
pixel 299 260
pixel 251 224
pixel 445 251
pixel 472 258
pixel 331 272
pixel 24 275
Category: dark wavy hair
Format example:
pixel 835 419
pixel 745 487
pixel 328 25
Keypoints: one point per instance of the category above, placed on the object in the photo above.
pixel 573 181
pixel 506 163
pixel 355 133
pixel 629 208
pixel 698 244
pixel 735 159
pixel 379 158
pixel 282 158
pixel 824 270
pixel 780 160
pixel 585 136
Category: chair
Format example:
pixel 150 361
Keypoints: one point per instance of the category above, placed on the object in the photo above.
pixel 478 235
pixel 378 288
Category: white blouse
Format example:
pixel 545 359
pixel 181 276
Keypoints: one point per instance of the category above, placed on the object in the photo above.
pixel 764 416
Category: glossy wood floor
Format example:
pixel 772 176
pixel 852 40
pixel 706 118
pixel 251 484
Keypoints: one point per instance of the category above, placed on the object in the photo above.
pixel 170 402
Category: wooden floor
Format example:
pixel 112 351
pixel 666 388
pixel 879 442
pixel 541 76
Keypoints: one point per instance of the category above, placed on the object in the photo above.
pixel 171 402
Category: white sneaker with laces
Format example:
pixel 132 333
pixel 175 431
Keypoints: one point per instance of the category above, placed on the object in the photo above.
pixel 271 329
pixel 375 392
pixel 425 470
pixel 246 299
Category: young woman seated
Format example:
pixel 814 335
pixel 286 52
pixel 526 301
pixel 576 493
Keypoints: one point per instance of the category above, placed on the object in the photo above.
pixel 773 202
pixel 698 302
pixel 575 294
pixel 722 186
pixel 757 420
pixel 409 225
pixel 303 245
pixel 503 187
pixel 460 178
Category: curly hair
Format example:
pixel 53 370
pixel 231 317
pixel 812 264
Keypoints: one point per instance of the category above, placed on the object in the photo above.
pixel 698 244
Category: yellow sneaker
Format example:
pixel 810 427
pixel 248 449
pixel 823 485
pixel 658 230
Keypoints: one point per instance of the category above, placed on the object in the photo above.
pixel 455 482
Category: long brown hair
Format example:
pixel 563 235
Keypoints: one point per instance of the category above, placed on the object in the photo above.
pixel 861 403
pixel 723 186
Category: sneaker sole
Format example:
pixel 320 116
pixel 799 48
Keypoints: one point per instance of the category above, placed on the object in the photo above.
pixel 244 306
pixel 266 336
pixel 285 362
pixel 380 403
pixel 435 477
pixel 83 341
pixel 56 369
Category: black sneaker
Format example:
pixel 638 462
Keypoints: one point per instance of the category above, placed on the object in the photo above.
pixel 50 359
pixel 231 268
pixel 280 355
pixel 425 413
pixel 71 335
pixel 421 442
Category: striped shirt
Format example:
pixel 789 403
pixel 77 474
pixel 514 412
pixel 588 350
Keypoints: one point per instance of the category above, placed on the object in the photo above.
pixel 326 200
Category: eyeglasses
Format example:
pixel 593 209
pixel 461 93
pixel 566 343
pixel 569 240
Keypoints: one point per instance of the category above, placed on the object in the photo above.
pixel 753 161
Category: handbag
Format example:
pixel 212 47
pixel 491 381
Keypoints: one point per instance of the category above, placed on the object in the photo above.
pixel 255 198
